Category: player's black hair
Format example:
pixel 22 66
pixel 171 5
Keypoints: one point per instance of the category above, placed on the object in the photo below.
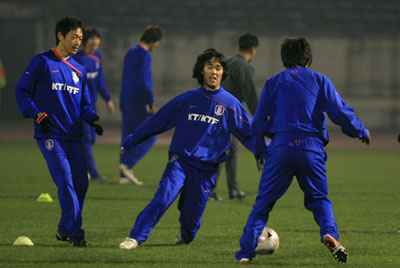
pixel 89 34
pixel 296 52
pixel 205 58
pixel 67 24
pixel 247 42
pixel 151 34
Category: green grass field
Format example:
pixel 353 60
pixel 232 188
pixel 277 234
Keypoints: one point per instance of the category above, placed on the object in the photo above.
pixel 364 186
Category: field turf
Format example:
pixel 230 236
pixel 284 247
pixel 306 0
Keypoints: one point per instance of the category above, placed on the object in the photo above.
pixel 364 186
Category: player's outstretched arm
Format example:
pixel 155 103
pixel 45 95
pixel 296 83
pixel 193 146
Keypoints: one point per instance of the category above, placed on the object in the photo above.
pixel 342 114
pixel 261 122
pixel 159 122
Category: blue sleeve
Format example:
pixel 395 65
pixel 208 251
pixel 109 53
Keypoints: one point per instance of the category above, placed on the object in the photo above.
pixel 262 121
pixel 161 121
pixel 144 75
pixel 26 86
pixel 239 123
pixel 88 113
pixel 102 87
pixel 341 113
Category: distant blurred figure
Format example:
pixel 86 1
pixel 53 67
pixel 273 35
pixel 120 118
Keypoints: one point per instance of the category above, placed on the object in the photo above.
pixel 136 100
pixel 91 59
pixel 241 84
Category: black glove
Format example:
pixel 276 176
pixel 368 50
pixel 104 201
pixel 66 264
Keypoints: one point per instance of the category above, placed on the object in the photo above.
pixel 398 138
pixel 43 120
pixel 366 139
pixel 98 127
pixel 260 163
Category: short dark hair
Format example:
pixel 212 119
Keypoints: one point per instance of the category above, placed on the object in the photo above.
pixel 296 52
pixel 152 33
pixel 247 42
pixel 89 34
pixel 67 24
pixel 205 58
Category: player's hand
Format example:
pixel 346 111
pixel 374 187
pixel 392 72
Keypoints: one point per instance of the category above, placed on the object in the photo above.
pixel 122 150
pixel 110 106
pixel 367 139
pixel 260 163
pixel 98 127
pixel 151 109
pixel 43 120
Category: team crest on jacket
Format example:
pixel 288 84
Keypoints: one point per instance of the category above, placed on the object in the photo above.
pixel 75 77
pixel 49 144
pixel 219 110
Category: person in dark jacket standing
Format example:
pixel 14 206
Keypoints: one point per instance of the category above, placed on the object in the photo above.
pixel 241 84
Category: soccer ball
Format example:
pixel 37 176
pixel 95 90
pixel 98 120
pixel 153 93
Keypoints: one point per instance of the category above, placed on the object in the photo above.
pixel 268 242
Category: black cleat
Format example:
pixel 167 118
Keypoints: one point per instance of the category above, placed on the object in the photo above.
pixel 79 242
pixel 237 194
pixel 61 236
pixel 337 250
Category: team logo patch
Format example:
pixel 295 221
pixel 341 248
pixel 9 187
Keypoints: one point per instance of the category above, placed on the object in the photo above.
pixel 219 110
pixel 49 144
pixel 75 77
pixel 174 158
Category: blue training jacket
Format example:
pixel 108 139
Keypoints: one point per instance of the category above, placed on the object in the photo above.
pixel 295 101
pixel 60 89
pixel 95 75
pixel 137 85
pixel 203 121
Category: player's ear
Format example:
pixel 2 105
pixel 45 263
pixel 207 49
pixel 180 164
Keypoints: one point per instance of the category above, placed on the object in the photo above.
pixel 60 36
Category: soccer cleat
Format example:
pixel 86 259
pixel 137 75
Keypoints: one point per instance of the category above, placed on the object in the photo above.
pixel 99 178
pixel 124 180
pixel 129 174
pixel 337 250
pixel 79 242
pixel 129 243
pixel 215 197
pixel 243 261
pixel 179 240
pixel 61 236
pixel 237 194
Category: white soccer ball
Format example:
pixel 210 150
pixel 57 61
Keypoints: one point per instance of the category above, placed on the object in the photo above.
pixel 268 242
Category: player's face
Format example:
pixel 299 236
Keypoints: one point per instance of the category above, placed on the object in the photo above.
pixel 71 41
pixel 213 72
pixel 92 45
pixel 153 46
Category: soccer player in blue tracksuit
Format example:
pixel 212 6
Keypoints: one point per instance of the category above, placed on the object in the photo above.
pixel 53 90
pixel 203 119
pixel 292 112
pixel 91 59
pixel 136 100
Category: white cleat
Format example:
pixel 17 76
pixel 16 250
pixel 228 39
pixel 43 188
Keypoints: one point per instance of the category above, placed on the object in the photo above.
pixel 129 243
pixel 124 180
pixel 179 240
pixel 243 261
pixel 129 175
